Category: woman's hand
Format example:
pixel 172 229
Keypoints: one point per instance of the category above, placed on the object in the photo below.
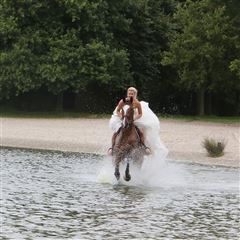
pixel 119 114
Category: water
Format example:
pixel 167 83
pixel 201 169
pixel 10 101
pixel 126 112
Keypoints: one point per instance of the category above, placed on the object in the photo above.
pixel 52 195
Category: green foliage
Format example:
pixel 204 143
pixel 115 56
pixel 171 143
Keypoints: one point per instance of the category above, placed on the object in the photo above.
pixel 146 40
pixel 203 46
pixel 59 44
pixel 104 46
pixel 235 67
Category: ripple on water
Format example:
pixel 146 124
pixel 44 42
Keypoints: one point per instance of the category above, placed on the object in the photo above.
pixel 54 195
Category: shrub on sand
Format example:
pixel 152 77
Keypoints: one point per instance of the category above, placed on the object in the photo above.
pixel 213 147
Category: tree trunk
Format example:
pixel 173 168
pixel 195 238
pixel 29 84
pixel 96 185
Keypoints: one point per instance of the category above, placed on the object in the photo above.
pixel 201 102
pixel 237 111
pixel 210 105
pixel 59 103
pixel 77 101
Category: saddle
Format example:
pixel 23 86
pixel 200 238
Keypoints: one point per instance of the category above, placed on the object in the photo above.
pixel 138 131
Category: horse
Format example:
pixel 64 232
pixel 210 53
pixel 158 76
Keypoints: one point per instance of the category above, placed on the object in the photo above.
pixel 128 143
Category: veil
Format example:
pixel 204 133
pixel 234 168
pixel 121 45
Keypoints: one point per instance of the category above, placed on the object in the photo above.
pixel 150 124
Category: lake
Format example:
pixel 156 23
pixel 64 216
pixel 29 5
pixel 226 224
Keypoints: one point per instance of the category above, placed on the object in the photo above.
pixel 57 195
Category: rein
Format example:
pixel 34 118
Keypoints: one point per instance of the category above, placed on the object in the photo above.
pixel 128 124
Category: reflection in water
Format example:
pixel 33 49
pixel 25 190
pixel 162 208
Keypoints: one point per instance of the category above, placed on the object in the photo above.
pixel 54 195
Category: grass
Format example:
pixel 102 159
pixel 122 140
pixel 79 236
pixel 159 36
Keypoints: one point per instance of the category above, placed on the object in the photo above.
pixel 214 148
pixel 50 114
pixel 55 114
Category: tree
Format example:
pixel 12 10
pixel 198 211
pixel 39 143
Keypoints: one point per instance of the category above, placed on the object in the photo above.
pixel 24 40
pixel 18 70
pixel 60 45
pixel 201 49
pixel 146 40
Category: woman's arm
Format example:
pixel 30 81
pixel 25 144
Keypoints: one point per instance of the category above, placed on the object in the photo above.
pixel 120 108
pixel 139 111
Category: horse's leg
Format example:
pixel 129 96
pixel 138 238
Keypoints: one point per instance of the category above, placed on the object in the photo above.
pixel 140 162
pixel 117 173
pixel 127 173
pixel 139 158
pixel 114 136
pixel 147 150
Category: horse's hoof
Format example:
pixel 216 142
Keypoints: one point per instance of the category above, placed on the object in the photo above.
pixel 127 178
pixel 117 175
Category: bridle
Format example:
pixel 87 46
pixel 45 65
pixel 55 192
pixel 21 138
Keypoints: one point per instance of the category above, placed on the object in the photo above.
pixel 129 124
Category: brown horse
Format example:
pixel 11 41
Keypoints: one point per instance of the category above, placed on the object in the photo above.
pixel 128 143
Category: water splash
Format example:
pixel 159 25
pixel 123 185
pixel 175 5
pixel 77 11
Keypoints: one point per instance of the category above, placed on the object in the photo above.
pixel 155 172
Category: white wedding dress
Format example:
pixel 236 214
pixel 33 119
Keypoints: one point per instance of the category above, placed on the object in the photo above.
pixel 150 125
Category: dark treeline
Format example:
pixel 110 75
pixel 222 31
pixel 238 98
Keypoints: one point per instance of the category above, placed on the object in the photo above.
pixel 81 55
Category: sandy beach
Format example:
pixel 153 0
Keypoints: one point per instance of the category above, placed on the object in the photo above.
pixel 182 138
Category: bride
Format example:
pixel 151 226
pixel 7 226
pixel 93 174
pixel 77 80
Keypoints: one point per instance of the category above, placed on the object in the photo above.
pixel 146 121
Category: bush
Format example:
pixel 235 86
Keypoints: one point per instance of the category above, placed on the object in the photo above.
pixel 213 147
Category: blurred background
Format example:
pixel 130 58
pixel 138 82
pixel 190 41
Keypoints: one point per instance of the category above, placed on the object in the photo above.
pixel 81 55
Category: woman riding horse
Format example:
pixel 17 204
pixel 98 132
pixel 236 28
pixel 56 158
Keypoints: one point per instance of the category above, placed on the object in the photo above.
pixel 115 122
pixel 128 142
pixel 145 121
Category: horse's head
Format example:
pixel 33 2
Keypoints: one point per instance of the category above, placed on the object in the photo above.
pixel 128 116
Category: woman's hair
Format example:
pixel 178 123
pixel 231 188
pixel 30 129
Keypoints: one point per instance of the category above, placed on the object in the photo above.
pixel 133 89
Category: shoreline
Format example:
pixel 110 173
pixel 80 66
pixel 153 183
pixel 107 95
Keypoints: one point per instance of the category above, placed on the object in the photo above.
pixel 200 162
pixel 81 135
